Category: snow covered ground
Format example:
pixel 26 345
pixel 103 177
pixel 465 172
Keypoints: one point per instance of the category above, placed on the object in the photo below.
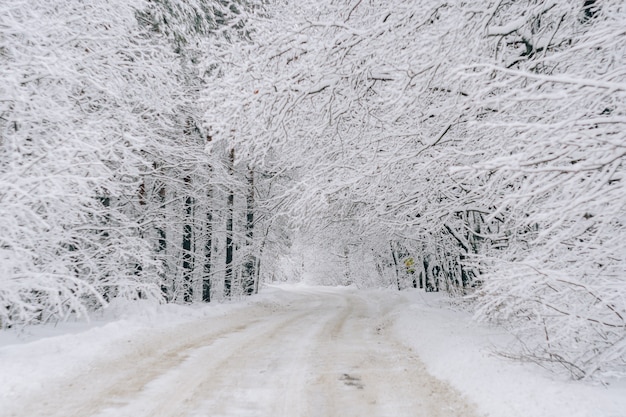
pixel 458 350
pixel 292 351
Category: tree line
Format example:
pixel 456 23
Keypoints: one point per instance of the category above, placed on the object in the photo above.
pixel 187 150
pixel 469 147
pixel 107 190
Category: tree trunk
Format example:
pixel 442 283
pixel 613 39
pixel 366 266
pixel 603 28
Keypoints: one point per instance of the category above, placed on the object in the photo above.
pixel 395 262
pixel 206 272
pixel 228 277
pixel 105 200
pixel 258 261
pixel 428 279
pixel 208 243
pixel 188 253
pixel 250 264
pixel 346 260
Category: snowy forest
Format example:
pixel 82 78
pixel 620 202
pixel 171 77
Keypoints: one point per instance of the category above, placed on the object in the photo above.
pixel 189 150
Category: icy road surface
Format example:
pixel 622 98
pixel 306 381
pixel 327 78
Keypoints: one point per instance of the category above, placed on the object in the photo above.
pixel 317 353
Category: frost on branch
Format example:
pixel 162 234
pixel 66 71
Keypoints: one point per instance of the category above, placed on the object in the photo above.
pixel 80 95
pixel 484 140
pixel 553 152
pixel 467 147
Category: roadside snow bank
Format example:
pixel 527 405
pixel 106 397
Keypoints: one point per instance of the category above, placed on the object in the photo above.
pixel 462 352
pixel 33 358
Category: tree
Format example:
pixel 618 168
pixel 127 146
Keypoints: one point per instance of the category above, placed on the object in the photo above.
pixel 473 148
pixel 197 31
pixel 557 87
pixel 373 104
pixel 84 86
pixel 102 155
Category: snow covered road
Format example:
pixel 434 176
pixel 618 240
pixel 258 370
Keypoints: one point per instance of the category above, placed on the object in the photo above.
pixel 314 353
pixel 291 351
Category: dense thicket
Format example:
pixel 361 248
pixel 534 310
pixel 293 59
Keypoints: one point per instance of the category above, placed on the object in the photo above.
pixel 469 147
pixel 177 149
pixel 80 94
pixel 106 188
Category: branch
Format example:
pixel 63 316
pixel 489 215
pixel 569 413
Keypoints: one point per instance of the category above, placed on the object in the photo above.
pixel 458 239
pixel 561 79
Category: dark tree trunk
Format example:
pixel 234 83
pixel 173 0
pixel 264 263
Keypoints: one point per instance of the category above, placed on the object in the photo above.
pixel 208 243
pixel 107 291
pixel 346 260
pixel 188 253
pixel 395 262
pixel 250 209
pixel 206 271
pixel 250 264
pixel 162 245
pixel 435 278
pixel 258 261
pixel 429 280
pixel 257 277
pixel 228 276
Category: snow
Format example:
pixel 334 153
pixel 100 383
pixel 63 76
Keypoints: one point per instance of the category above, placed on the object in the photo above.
pixel 279 325
pixel 508 28
pixel 458 350
pixel 32 358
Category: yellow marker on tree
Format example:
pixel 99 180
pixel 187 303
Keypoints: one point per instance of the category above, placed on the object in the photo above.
pixel 409 263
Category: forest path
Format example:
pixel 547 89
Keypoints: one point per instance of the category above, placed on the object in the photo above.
pixel 322 353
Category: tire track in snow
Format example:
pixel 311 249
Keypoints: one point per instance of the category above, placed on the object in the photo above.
pixel 112 380
pixel 236 375
pixel 362 371
pixel 326 353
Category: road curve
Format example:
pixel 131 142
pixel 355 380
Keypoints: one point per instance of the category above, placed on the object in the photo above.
pixel 323 353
